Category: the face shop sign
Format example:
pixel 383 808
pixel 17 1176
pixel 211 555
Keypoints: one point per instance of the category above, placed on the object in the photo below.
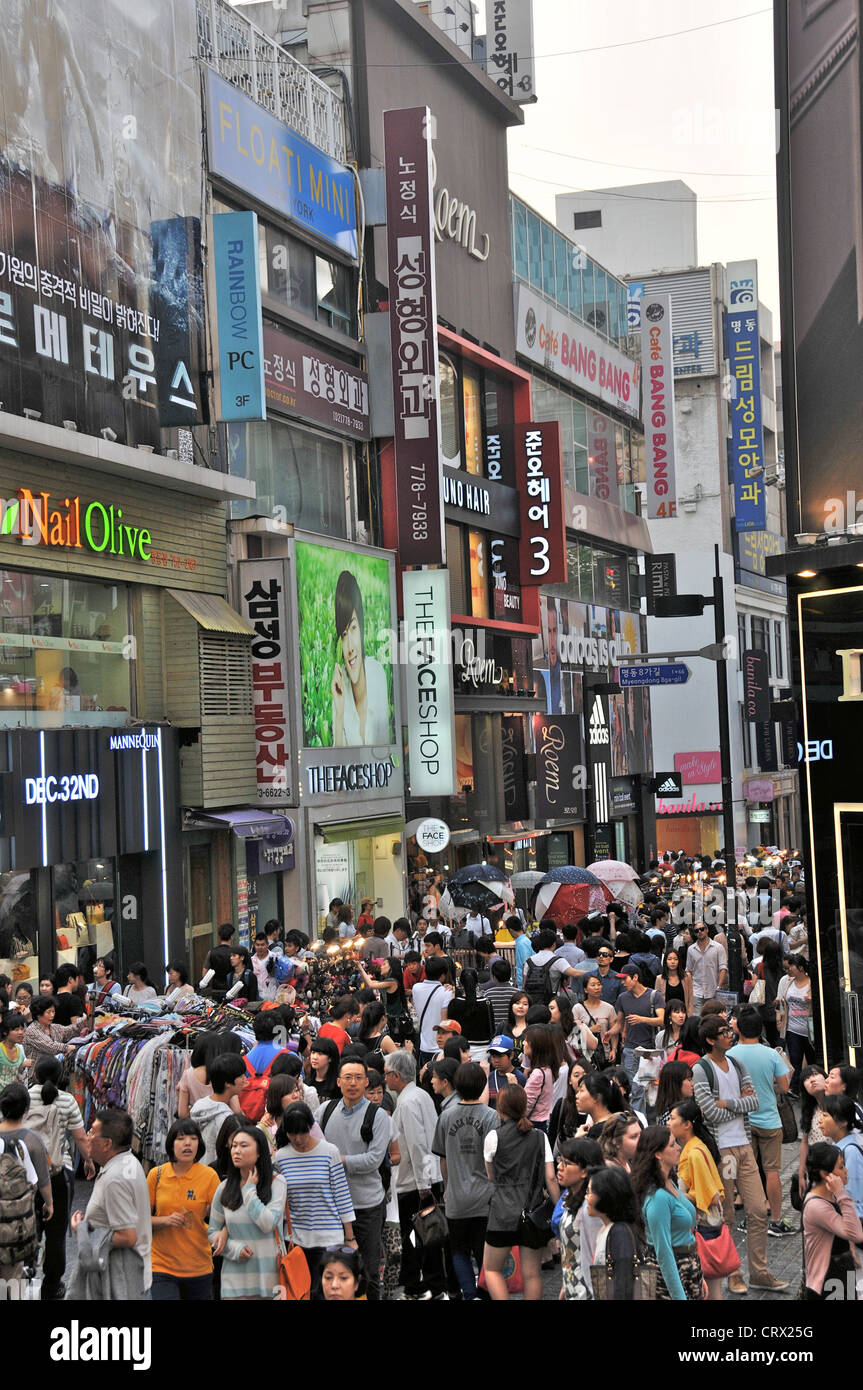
pixel 337 779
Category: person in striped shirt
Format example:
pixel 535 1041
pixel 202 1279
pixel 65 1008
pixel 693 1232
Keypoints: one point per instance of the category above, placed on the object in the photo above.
pixel 319 1200
pixel 247 1209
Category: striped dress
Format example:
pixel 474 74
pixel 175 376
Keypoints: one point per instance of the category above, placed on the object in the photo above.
pixel 318 1195
pixel 252 1224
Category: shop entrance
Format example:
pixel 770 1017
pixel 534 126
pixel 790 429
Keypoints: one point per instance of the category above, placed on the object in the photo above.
pixel 200 900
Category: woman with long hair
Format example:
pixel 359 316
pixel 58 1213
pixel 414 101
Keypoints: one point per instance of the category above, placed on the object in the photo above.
pixel 475 1016
pixel 611 1198
pixel 673 982
pixel 541 1052
pixel 566 1119
pixel 374 1034
pixel 139 987
pixel 698 1176
pixel 669 1219
pixel 798 1003
pixel 831 1228
pixel 391 985
pixel 689 1046
pixel 322 1068
pixel 520 1168
pixel 247 1209
pixel 578 1158
pixel 599 1023
pixel 619 1140
pixel 813 1082
pixel 675 1084
pixel 516 1024
pixel 770 969
pixel 598 1097
pixel 54 1115
pixel 668 1036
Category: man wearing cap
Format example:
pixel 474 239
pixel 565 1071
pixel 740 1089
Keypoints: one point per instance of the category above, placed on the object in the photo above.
pixel 502 1069
pixel 640 1012
pixel 442 1032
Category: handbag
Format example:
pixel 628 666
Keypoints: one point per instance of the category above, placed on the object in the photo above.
pixel 757 995
pixel 292 1268
pixel 643 1276
pixel 787 1119
pixel 539 1217
pixel 716 1251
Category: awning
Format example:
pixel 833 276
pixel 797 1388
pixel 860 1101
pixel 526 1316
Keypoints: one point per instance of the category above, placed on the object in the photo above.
pixel 336 832
pixel 212 613
pixel 247 824
pixel 499 704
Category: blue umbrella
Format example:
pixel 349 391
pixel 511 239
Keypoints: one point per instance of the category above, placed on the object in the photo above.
pixel 570 873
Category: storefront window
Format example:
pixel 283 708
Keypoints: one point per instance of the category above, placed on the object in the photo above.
pixel 300 475
pixel 335 293
pixel 288 270
pixel 84 897
pixel 19 939
pixel 64 651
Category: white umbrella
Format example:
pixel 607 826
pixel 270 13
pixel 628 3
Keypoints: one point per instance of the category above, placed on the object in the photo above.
pixel 621 878
pixel 527 878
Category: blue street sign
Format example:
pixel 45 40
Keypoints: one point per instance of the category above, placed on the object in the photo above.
pixel 675 673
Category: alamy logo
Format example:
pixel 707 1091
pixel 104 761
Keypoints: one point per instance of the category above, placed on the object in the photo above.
pixel 77 1343
pixel 668 788
pixel 598 723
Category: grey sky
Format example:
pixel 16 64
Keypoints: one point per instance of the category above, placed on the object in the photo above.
pixel 698 107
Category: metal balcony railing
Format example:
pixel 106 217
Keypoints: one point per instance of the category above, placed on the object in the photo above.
pixel 254 63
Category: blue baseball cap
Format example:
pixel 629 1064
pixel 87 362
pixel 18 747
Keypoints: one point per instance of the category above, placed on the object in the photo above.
pixel 501 1043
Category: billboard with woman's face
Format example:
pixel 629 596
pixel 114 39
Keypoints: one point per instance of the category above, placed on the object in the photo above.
pixel 346 630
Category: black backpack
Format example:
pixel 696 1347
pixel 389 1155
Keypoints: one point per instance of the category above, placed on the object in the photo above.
pixel 537 981
pixel 367 1129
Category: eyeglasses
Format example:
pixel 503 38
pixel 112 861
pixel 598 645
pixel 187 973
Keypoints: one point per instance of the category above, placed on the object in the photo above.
pixel 605 955
pixel 726 1031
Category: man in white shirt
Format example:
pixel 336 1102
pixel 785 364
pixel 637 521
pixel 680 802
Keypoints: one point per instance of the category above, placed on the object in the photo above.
pixel 430 998
pixel 477 925
pixel 120 1200
pixel 267 983
pixel 418 1172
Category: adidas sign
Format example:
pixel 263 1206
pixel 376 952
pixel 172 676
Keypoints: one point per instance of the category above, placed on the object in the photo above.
pixel 668 787
pixel 598 728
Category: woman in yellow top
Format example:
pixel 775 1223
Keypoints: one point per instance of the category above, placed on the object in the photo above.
pixel 181 1192
pixel 698 1172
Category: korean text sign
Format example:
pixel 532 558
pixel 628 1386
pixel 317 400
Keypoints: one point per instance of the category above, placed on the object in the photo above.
pixel 540 484
pixel 746 444
pixel 263 157
pixel 509 44
pixel 413 335
pixel 263 588
pixel 238 312
pixel 657 356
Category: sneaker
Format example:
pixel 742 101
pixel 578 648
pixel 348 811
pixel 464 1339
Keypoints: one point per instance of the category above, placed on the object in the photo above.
pixel 741 1225
pixel 736 1283
pixel 768 1282
pixel 779 1228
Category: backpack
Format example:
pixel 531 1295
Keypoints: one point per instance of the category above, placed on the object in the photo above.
pixel 253 1099
pixel 367 1129
pixel 537 981
pixel 18 1238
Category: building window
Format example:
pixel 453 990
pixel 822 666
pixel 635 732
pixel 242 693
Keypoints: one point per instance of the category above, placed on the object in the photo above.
pixel 581 221
pixel 458 595
pixel 472 402
pixel 760 634
pixel 300 475
pixel 778 672
pixel 64 651
pixel 450 413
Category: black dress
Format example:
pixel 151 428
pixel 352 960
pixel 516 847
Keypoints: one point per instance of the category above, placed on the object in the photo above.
pixel 674 992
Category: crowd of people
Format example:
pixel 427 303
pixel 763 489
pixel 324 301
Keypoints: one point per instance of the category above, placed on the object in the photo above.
pixel 431 1113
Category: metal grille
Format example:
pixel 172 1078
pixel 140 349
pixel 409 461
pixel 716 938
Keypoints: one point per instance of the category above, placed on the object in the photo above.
pixel 225 665
pixel 691 320
pixel 254 63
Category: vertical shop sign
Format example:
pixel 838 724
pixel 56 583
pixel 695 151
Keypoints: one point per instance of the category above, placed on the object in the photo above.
pixel 515 802
pixel 657 356
pixel 429 683
pixel 561 776
pixel 509 47
pixel 756 686
pixel 240 382
pixel 539 478
pixel 413 335
pixel 746 444
pixel 263 587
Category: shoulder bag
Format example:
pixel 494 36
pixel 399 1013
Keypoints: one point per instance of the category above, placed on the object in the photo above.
pixel 292 1267
pixel 539 1208
pixel 644 1276
pixel 787 1118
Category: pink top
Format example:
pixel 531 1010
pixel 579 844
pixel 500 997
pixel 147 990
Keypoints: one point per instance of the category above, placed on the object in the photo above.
pixel 821 1222
pixel 539 1089
pixel 197 1090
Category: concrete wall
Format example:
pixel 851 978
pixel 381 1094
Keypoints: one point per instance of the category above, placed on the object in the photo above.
pixel 646 227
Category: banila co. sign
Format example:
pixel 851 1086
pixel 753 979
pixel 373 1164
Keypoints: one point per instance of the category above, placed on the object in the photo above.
pixel 456 221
